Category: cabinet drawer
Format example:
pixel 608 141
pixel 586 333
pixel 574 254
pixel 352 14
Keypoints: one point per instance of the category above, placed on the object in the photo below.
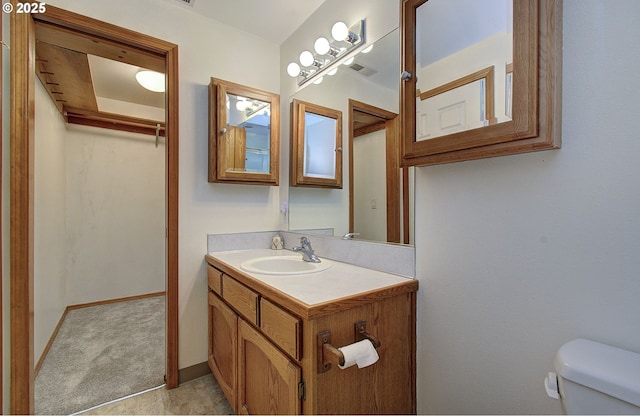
pixel 214 276
pixel 240 298
pixel 281 327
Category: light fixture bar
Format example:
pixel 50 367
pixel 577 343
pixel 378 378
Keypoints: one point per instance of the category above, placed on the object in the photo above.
pixel 338 49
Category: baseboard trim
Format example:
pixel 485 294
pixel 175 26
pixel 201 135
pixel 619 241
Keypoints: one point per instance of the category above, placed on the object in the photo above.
pixel 106 302
pixel 193 372
pixel 47 347
pixel 38 365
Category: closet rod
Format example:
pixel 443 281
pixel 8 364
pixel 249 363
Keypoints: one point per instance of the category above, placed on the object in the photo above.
pixel 115 122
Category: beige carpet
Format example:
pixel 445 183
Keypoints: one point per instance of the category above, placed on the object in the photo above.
pixel 102 353
pixel 201 396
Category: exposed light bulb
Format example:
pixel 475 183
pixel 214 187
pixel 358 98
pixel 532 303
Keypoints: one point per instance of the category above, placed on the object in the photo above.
pixel 339 31
pixel 318 81
pixel 368 49
pixel 321 46
pixel 332 71
pixel 293 69
pixel 241 104
pixel 306 58
pixel 349 61
pixel 151 80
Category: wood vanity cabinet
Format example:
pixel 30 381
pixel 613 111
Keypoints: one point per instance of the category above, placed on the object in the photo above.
pixel 223 341
pixel 266 354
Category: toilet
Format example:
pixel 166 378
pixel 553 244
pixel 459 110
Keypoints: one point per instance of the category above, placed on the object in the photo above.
pixel 594 378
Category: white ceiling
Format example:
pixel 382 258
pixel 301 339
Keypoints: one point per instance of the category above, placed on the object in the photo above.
pixel 274 20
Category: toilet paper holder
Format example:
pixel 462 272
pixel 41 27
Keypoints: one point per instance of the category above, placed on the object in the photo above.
pixel 327 354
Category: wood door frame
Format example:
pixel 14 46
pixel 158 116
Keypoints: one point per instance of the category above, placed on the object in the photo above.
pixel 22 197
pixel 392 132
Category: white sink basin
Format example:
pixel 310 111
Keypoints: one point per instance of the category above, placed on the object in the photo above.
pixel 283 265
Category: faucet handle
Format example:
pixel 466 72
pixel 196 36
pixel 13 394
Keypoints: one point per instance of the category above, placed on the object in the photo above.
pixel 305 242
pixel 349 236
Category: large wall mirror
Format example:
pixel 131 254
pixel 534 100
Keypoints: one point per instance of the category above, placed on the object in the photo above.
pixel 489 85
pixel 244 134
pixel 366 91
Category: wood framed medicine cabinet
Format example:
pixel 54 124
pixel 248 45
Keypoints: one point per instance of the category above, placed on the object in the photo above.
pixel 316 146
pixel 531 76
pixel 244 134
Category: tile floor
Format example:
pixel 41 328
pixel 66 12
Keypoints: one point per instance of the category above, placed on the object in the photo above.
pixel 201 396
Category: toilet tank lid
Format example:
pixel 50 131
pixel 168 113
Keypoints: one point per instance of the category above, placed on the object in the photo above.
pixel 601 367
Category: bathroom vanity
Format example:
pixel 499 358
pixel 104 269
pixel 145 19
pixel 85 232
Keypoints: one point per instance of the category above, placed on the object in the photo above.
pixel 273 337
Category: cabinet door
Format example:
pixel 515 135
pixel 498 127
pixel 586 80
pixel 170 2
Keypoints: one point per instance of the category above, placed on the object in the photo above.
pixel 223 336
pixel 267 379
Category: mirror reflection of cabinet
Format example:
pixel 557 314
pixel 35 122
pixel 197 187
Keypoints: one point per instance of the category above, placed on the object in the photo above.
pixel 244 134
pixel 316 146
pixel 447 113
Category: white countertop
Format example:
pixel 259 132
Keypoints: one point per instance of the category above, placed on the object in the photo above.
pixel 339 281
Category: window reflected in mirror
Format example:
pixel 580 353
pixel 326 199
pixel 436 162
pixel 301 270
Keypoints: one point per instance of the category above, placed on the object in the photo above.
pixel 316 146
pixel 244 130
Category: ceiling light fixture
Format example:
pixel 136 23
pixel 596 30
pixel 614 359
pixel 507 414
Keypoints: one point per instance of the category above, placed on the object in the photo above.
pixel 151 80
pixel 328 54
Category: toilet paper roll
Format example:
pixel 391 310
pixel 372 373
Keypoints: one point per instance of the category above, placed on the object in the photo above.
pixel 362 353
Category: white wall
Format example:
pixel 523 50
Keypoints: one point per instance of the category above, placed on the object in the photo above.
pixel 519 254
pixel 370 183
pixel 207 49
pixel 50 219
pixel 116 214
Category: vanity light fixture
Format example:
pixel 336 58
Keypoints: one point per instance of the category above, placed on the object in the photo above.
pixel 151 80
pixel 306 58
pixel 349 61
pixel 293 69
pixel 339 31
pixel 242 105
pixel 322 46
pixel 326 54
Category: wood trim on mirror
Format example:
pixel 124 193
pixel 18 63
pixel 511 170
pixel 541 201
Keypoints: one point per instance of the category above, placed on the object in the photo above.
pixel 536 105
pixel 219 133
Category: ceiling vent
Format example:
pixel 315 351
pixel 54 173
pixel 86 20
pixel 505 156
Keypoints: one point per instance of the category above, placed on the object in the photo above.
pixel 367 72
pixel 187 2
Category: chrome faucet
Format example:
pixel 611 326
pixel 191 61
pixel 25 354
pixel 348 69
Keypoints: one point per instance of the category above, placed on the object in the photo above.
pixel 349 236
pixel 306 251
